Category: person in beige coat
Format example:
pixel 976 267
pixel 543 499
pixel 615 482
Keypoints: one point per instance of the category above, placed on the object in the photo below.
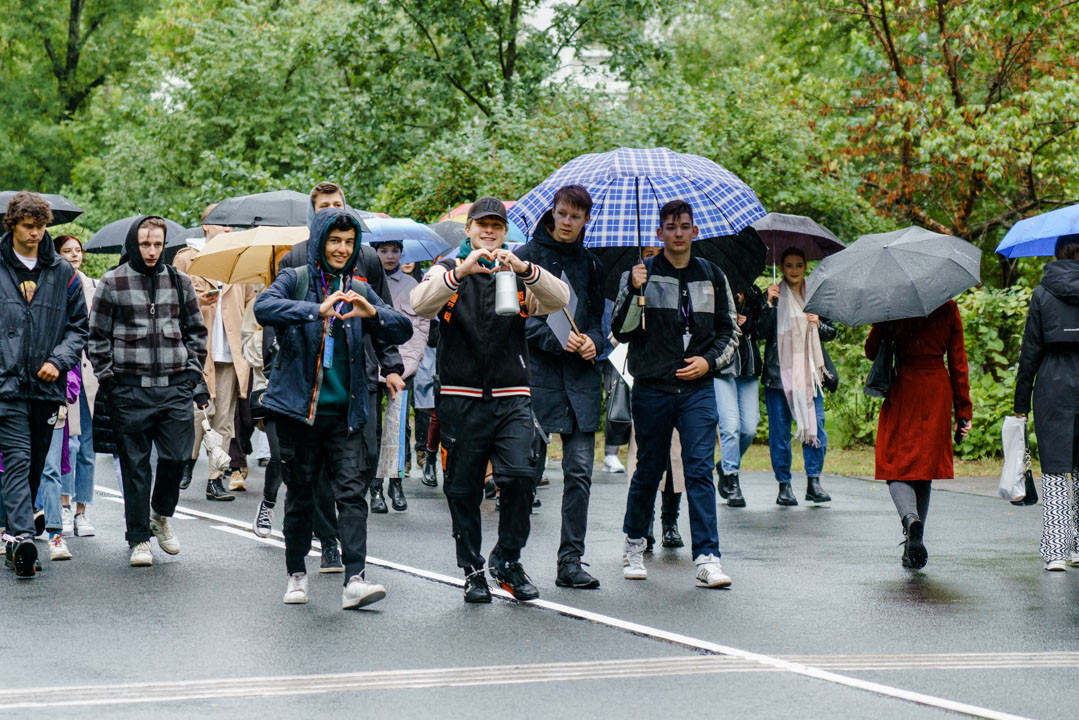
pixel 226 372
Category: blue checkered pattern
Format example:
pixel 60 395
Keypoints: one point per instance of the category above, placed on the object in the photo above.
pixel 722 204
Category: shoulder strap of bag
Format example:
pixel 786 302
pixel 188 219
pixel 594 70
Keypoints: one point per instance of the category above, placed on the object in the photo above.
pixel 303 279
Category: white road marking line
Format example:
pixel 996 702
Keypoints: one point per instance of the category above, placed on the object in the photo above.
pixel 796 668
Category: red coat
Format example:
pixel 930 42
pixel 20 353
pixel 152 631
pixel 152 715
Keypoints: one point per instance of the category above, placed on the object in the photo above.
pixel 914 433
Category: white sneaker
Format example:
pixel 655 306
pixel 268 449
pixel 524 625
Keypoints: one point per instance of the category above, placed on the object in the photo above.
pixel 710 573
pixel 58 549
pixel 612 464
pixel 141 555
pixel 1073 558
pixel 67 520
pixel 633 560
pixel 296 592
pixel 360 593
pixel 162 530
pixel 83 528
pixel 1056 566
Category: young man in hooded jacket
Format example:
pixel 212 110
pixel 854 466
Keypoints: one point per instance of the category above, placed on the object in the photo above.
pixel 147 346
pixel 43 322
pixel 318 390
pixel 485 406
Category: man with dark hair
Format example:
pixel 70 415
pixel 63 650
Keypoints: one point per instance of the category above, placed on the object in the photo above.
pixel 682 334
pixel 566 383
pixel 147 346
pixel 378 356
pixel 484 406
pixel 41 341
pixel 318 391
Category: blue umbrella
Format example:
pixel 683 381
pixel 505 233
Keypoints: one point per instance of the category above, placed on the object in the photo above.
pixel 1037 236
pixel 628 186
pixel 419 242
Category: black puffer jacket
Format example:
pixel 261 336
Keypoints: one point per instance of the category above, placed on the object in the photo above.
pixel 766 328
pixel 1049 366
pixel 566 387
pixel 52 327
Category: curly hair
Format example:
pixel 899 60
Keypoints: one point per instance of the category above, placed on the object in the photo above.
pixel 25 205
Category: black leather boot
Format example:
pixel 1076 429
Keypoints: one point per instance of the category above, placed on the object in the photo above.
pixel 430 474
pixel 735 499
pixel 378 501
pixel 815 493
pixel 397 495
pixel 671 537
pixel 723 484
pixel 215 490
pixel 186 469
pixel 786 497
pixel 915 556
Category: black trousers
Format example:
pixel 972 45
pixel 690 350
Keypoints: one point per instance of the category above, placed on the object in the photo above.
pixel 323 454
pixel 272 483
pixel 475 431
pixel 143 417
pixel 25 436
pixel 578 456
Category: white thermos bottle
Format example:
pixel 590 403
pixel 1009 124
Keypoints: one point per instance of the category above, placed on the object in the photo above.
pixel 506 293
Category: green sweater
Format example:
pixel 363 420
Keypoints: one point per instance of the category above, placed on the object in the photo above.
pixel 334 393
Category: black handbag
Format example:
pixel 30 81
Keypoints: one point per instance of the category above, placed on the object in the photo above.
pixel 880 375
pixel 831 376
pixel 618 405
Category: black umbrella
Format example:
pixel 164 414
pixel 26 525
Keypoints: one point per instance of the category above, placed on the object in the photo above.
pixel 282 208
pixel 779 231
pixel 63 210
pixel 453 233
pixel 739 256
pixel 111 238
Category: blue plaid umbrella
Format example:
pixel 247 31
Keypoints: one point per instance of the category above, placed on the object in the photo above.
pixel 628 187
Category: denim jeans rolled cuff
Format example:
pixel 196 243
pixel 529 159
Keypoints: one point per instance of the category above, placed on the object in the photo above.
pixel 779 436
pixel 739 414
pixel 655 416
pixel 48 493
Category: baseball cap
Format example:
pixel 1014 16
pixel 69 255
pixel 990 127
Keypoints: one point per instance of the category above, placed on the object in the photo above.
pixel 488 207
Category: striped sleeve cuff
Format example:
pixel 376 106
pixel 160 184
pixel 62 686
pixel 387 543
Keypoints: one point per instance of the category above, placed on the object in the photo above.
pixel 450 278
pixel 532 275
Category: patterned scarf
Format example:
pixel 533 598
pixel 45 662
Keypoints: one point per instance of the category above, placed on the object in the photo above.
pixel 801 362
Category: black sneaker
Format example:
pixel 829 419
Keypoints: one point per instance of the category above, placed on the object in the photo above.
pixel 476 589
pixel 489 489
pixel 215 490
pixel 512 578
pixel 21 556
pixel 331 559
pixel 39 522
pixel 572 575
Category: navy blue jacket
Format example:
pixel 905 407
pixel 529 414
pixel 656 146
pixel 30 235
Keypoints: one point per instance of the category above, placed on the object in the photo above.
pixel 566 387
pixel 297 372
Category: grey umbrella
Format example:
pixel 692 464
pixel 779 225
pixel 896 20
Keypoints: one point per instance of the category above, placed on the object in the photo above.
pixel 889 276
pixel 779 231
pixel 63 210
pixel 452 232
pixel 282 208
pixel 111 238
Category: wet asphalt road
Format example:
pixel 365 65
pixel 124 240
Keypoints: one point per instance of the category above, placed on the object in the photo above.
pixel 822 584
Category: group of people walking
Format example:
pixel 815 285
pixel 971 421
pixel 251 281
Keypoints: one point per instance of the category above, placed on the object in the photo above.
pixel 133 363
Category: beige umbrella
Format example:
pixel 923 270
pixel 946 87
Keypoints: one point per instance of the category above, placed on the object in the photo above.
pixel 247 256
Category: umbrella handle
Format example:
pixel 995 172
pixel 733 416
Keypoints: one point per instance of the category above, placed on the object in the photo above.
pixel 641 303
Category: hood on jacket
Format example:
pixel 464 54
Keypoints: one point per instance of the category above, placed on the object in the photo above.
pixel 544 237
pixel 131 249
pixel 1061 279
pixel 316 242
pixel 46 249
pixel 311 206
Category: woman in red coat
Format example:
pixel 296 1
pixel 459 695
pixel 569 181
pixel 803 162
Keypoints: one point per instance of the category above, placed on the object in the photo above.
pixel 914 434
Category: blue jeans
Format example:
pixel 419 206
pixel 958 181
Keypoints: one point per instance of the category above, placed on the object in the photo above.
pixel 80 481
pixel 779 436
pixel 655 416
pixel 48 493
pixel 739 415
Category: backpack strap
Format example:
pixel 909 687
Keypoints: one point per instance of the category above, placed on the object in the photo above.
pixel 303 279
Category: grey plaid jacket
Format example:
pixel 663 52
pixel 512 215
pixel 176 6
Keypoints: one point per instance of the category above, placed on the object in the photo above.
pixel 129 335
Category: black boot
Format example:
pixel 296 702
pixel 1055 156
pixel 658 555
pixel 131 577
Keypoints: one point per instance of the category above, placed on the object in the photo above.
pixel 430 474
pixel 215 490
pixel 186 469
pixel 397 495
pixel 671 537
pixel 723 484
pixel 786 497
pixel 735 499
pixel 378 502
pixel 915 556
pixel 815 493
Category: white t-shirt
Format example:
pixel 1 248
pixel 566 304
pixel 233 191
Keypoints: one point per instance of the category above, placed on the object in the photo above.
pixel 220 339
pixel 29 262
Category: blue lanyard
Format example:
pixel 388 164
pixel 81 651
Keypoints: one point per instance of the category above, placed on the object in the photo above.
pixel 327 346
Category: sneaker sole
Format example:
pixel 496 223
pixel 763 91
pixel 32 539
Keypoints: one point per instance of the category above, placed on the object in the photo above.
pixel 331 570
pixel 84 533
pixel 142 563
pixel 259 532
pixel 629 576
pixel 479 600
pixel 220 499
pixel 295 601
pixel 366 600
pixel 56 558
pixel 23 561
pixel 717 584
pixel 509 588
pixel 579 586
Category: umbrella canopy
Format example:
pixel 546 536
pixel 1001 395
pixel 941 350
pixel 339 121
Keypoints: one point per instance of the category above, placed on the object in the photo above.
pixel 111 238
pixel 246 256
pixel 1037 236
pixel 63 210
pixel 282 208
pixel 418 242
pixel 779 231
pixel 452 233
pixel 628 186
pixel 890 276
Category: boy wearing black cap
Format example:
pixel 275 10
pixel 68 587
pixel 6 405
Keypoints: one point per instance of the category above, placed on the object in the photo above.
pixel 485 406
